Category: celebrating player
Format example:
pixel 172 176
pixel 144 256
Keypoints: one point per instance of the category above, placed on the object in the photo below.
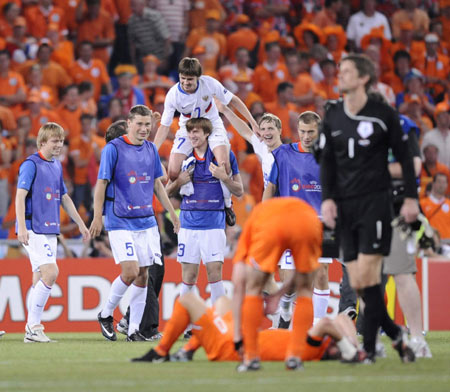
pixel 40 192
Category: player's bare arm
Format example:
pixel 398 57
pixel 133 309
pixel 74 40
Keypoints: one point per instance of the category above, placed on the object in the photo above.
pixel 161 135
pixel 22 233
pixel 99 201
pixel 70 208
pixel 161 194
pixel 269 192
pixel 237 103
pixel 240 126
pixel 233 183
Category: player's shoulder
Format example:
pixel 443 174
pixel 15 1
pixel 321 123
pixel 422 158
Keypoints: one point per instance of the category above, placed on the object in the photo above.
pixel 334 105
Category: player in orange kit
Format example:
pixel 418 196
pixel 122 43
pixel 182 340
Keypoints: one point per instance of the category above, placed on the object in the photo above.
pixel 213 330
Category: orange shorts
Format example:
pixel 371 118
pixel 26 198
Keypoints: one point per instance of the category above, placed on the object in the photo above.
pixel 315 353
pixel 215 334
pixel 276 225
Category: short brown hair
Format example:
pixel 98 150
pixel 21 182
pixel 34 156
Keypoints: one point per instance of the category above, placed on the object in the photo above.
pixel 48 131
pixel 269 117
pixel 190 67
pixel 115 130
pixel 364 66
pixel 309 117
pixel 139 110
pixel 200 122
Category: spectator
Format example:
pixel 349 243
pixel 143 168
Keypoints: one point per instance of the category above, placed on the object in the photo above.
pixel 406 42
pixel 70 111
pixel 38 114
pixel 81 150
pixel 440 136
pixel 376 38
pixel 95 25
pixel 12 86
pixel 272 12
pixel 335 41
pixel 239 66
pixel 433 65
pixel 430 167
pixel 243 37
pixel 5 163
pixel 197 14
pixel 284 109
pixel 34 80
pixel 39 17
pixel 147 34
pixel 129 95
pixel 307 35
pixel 363 22
pixel 211 39
pixel 62 47
pixel 115 113
pixel 53 75
pixel 150 81
pixel 176 16
pixel 20 47
pixel 384 89
pixel 328 15
pixel 410 13
pixel 88 68
pixel 328 86
pixel 10 11
pixel 402 67
pixel 87 101
pixel 268 75
pixel 436 206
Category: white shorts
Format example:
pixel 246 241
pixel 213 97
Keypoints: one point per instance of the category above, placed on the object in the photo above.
pixel 41 249
pixel 141 246
pixel 196 245
pixel 182 145
pixel 287 261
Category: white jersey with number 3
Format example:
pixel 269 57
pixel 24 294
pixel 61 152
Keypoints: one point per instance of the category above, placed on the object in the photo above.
pixel 198 104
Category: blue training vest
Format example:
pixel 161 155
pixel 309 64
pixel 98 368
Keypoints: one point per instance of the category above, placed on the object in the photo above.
pixel 298 175
pixel 208 194
pixel 45 195
pixel 133 179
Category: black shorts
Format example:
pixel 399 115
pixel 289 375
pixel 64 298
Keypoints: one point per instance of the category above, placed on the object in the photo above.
pixel 364 225
pixel 330 243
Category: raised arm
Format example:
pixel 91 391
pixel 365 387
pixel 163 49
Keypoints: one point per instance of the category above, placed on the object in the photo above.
pixel 161 135
pixel 241 108
pixel 240 126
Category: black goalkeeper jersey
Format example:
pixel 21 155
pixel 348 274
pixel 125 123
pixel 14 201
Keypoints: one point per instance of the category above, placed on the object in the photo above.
pixel 354 150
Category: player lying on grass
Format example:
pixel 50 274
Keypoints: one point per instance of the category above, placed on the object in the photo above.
pixel 213 330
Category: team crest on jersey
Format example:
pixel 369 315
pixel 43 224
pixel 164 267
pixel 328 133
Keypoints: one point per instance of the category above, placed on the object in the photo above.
pixel 296 184
pixel 365 129
pixel 205 98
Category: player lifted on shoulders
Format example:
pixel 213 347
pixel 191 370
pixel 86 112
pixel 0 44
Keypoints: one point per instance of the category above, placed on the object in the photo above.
pixel 193 97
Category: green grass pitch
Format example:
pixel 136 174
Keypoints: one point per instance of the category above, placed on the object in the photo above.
pixel 86 362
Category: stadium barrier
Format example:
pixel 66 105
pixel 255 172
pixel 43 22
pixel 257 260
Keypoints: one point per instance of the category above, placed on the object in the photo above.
pixel 83 284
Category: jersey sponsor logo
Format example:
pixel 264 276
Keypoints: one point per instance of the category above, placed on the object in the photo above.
pixel 48 224
pixel 133 177
pixel 365 129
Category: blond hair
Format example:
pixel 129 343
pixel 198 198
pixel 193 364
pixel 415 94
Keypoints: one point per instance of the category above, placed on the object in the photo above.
pixel 48 131
pixel 271 118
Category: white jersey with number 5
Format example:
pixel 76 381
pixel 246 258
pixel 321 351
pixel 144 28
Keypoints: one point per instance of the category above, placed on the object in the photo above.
pixel 198 104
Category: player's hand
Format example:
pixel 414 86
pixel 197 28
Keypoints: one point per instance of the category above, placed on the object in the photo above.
pixel 85 233
pixel 410 210
pixel 185 177
pixel 23 236
pixel 329 213
pixel 96 227
pixel 220 106
pixel 218 172
pixel 175 222
pixel 156 117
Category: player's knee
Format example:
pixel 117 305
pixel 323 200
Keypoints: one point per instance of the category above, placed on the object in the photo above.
pixel 129 276
pixel 49 277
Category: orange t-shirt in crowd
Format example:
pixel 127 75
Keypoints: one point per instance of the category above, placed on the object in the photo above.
pixel 10 85
pixel 416 49
pixel 53 75
pixel 265 81
pixel 10 216
pixel 103 125
pixel 330 90
pixel 252 166
pixel 7 118
pixel 123 10
pixel 297 228
pixel 242 207
pixel 81 148
pixel 242 38
pixel 72 120
pixel 8 146
pixel 6 30
pixel 419 20
pixel 99 28
pixel 284 114
pixel 94 72
pixel 45 93
pixel 438 214
pixel 324 18
pixel 63 54
pixel 198 11
pixel 437 67
pixel 44 117
pixel 427 174
pixel 393 80
pixel 37 22
pixel 215 46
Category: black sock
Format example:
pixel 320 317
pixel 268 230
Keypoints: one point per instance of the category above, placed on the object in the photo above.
pixel 373 313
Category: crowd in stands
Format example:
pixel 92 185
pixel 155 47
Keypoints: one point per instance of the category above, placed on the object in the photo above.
pixel 85 63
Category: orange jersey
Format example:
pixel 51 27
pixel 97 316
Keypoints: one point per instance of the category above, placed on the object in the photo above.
pixel 10 84
pixel 42 118
pixel 63 54
pixel 37 21
pixel 265 81
pixel 276 225
pixel 72 119
pixel 252 166
pixel 242 38
pixel 427 174
pixel 45 93
pixel 438 214
pixel 7 119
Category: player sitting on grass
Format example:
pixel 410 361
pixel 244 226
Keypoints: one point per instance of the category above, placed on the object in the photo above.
pixel 213 330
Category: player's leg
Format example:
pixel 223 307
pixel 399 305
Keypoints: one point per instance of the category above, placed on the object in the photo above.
pixel 321 293
pixel 287 272
pixel 138 295
pixel 212 250
pixel 175 162
pixel 42 252
pixel 189 257
pixel 181 149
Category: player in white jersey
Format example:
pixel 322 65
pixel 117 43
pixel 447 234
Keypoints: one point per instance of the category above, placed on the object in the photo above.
pixel 193 97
